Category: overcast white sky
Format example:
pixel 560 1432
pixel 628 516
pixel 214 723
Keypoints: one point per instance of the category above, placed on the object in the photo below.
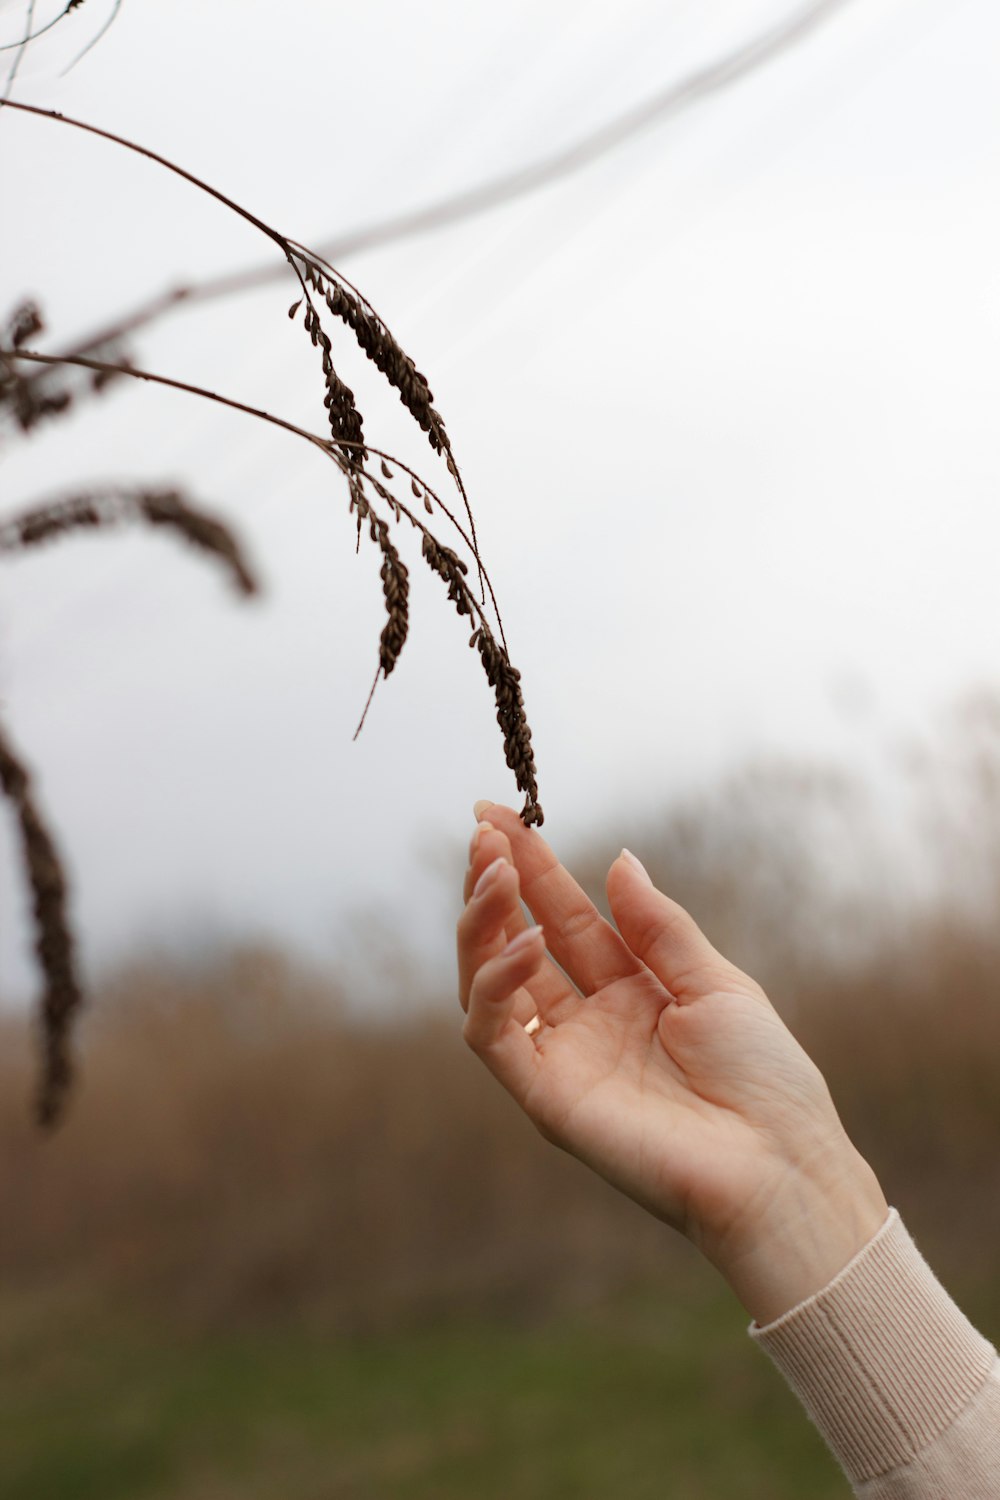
pixel 725 403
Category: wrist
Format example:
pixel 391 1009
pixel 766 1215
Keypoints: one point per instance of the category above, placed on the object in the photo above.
pixel 816 1219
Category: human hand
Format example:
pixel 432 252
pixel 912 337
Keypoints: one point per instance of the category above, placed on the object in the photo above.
pixel 649 1056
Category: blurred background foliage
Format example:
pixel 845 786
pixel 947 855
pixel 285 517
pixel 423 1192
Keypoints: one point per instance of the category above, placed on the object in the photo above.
pixel 290 1243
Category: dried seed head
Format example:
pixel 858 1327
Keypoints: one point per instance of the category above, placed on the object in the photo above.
pixel 381 348
pixel 109 507
pixel 168 508
pixel 505 680
pixel 346 423
pixel 376 341
pixel 502 676
pixel 395 590
pixel 24 322
pixel 53 941
pixel 49 392
pixel 30 399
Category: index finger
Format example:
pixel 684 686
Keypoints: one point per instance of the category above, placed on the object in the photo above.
pixel 480 939
pixel 592 953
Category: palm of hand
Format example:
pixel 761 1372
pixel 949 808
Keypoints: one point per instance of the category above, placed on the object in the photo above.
pixel 673 1078
pixel 675 1103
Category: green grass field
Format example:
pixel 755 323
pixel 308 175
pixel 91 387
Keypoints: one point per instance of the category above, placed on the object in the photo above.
pixel 642 1399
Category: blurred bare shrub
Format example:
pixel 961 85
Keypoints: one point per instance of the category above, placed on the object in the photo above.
pixel 248 1146
pixel 775 862
pixel 243 1150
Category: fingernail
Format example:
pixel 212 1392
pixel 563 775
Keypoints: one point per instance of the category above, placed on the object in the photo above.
pixel 480 807
pixel 523 940
pixel 487 878
pixel 636 864
pixel 480 829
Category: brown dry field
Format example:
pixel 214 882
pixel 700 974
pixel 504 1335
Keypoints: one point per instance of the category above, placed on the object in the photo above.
pixel 242 1145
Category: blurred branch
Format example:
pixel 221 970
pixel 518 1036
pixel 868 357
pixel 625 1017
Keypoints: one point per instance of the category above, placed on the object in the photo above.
pixel 29 36
pixel 94 39
pixel 19 54
pixel 703 84
pixel 673 100
pixel 32 36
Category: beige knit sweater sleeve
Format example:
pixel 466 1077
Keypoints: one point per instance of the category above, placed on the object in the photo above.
pixel 902 1387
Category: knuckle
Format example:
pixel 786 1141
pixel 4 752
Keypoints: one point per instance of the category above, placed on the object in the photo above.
pixel 465 926
pixel 665 923
pixel 471 1035
pixel 578 922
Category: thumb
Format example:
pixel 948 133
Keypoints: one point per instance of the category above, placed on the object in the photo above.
pixel 663 935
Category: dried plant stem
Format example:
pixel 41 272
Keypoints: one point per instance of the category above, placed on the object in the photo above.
pixel 105 366
pixel 109 368
pixel 371 331
pixel 150 155
pixel 346 303
pixel 30 399
pixel 53 939
pixel 501 674
pixel 346 423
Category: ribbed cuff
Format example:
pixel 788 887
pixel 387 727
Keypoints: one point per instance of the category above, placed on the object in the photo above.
pixel 882 1359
